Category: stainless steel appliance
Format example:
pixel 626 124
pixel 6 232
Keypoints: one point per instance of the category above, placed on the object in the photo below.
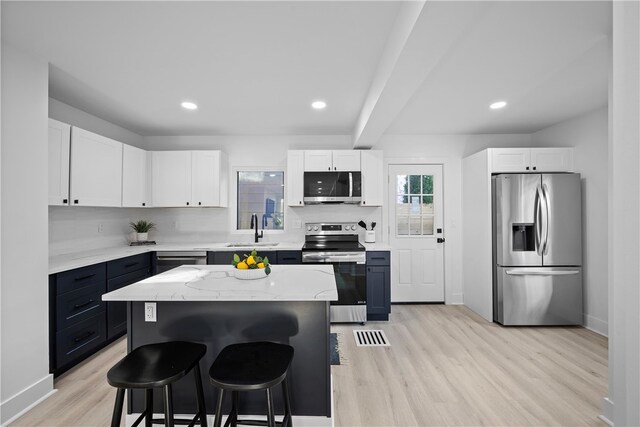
pixel 337 244
pixel 332 187
pixel 537 231
pixel 166 260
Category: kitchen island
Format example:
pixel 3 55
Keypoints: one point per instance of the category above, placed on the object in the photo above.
pixel 207 304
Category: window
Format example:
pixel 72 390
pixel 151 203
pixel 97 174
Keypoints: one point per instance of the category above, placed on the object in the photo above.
pixel 414 205
pixel 262 193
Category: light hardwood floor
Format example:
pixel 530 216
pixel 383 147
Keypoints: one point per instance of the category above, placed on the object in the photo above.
pixel 446 366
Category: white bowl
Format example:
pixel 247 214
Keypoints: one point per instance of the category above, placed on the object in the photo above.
pixel 256 273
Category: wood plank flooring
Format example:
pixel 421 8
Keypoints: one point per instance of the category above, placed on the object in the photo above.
pixel 446 366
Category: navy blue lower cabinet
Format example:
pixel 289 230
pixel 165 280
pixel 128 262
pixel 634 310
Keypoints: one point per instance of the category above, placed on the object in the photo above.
pixel 378 292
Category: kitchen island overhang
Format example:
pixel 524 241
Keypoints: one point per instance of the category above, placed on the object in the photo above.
pixel 207 304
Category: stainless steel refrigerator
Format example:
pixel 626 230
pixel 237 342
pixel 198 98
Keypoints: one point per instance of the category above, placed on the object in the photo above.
pixel 537 249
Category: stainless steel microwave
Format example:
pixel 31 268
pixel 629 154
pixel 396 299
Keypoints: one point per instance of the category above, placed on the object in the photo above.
pixel 332 187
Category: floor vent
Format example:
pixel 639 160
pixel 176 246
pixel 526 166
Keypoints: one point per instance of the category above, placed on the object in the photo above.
pixel 370 338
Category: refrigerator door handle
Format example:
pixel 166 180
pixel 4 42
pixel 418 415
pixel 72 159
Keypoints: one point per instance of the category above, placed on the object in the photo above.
pixel 545 213
pixel 537 214
pixel 526 272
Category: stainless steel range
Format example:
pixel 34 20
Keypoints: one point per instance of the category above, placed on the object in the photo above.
pixel 337 244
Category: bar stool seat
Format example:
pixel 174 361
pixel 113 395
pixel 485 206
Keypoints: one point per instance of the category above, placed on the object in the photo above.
pixel 153 366
pixel 252 366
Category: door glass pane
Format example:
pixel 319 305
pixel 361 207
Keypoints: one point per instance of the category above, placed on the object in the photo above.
pixel 414 184
pixel 414 205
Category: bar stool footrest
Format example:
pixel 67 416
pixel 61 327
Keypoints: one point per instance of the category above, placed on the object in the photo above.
pixel 177 421
pixel 285 422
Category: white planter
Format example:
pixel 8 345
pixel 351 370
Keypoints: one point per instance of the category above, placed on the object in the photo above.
pixel 142 237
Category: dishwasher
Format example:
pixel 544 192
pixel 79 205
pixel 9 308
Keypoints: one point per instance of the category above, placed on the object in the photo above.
pixel 166 260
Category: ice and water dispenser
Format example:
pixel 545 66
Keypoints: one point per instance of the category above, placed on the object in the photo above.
pixel 523 237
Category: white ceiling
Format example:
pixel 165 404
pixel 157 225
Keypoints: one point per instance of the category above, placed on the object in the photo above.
pixel 254 67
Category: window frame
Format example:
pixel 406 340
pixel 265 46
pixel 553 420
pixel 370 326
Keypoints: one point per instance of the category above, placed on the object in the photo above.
pixel 233 205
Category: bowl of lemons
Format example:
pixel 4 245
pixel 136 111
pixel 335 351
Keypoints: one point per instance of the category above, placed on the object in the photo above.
pixel 252 266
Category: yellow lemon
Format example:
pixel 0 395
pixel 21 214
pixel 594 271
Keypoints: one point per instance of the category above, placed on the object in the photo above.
pixel 250 260
pixel 242 266
pixel 261 265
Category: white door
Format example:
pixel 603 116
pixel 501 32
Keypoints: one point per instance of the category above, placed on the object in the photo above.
pixel 415 219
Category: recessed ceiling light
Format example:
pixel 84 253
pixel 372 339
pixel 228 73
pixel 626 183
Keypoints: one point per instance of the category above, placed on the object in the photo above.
pixel 497 105
pixel 189 105
pixel 318 105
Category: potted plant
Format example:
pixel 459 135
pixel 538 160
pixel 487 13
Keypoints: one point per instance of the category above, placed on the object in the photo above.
pixel 142 228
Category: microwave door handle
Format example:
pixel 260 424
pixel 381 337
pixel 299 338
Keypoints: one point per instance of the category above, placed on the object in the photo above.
pixel 350 184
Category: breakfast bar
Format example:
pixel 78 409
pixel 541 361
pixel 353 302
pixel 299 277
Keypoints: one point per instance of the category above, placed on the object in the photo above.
pixel 207 304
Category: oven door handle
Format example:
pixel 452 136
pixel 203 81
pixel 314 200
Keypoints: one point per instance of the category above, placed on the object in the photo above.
pixel 329 258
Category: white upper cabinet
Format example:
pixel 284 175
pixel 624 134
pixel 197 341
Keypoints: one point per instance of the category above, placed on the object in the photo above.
pixel 295 177
pixel 189 178
pixel 552 159
pixel 59 143
pixel 209 183
pixel 372 177
pixel 96 169
pixel 135 177
pixel 171 178
pixel 331 160
pixel 346 160
pixel 318 161
pixel 531 160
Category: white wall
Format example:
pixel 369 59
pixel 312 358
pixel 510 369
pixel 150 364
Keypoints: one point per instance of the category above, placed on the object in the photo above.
pixel 624 238
pixel 71 115
pixel 589 135
pixel 24 365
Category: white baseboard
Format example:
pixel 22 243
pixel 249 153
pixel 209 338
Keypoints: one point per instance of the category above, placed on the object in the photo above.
pixel 607 412
pixel 23 401
pixel 596 325
pixel 455 299
pixel 298 421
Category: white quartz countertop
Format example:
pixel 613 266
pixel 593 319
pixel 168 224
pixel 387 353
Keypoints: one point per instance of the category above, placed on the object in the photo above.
pixel 217 283
pixel 81 259
pixel 377 246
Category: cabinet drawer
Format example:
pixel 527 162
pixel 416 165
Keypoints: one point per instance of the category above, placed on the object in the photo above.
pixel 76 306
pixel 378 258
pixel 79 339
pixel 289 257
pixel 117 310
pixel 127 265
pixel 80 278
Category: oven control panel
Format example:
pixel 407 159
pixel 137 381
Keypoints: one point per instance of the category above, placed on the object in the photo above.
pixel 331 228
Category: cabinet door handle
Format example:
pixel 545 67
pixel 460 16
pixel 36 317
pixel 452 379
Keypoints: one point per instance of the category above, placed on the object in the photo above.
pixel 144 204
pixel 130 265
pixel 75 202
pixel 364 202
pixel 334 168
pixel 75 307
pixel 77 279
pixel 534 168
pixel 65 201
pixel 329 168
pixel 199 203
pixel 187 203
pixel 527 168
pixel 84 337
pixel 378 257
pixel 300 201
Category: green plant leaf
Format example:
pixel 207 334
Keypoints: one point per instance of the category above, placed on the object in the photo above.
pixel 236 258
pixel 267 270
pixel 265 260
pixel 234 263
pixel 254 253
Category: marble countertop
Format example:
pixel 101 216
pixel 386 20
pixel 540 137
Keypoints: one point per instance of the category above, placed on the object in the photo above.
pixel 217 283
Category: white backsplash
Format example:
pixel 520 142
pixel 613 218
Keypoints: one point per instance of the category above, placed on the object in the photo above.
pixel 75 229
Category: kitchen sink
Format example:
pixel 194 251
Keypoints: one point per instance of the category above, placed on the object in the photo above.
pixel 252 245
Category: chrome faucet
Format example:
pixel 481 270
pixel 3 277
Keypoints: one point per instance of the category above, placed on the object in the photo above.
pixel 254 225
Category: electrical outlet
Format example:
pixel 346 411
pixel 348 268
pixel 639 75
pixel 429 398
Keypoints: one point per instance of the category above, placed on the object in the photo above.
pixel 100 228
pixel 297 223
pixel 150 313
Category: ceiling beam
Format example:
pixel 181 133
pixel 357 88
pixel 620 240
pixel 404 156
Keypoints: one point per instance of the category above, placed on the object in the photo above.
pixel 410 55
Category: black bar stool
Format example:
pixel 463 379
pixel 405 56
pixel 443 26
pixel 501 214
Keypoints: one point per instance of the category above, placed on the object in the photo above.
pixel 158 365
pixel 252 366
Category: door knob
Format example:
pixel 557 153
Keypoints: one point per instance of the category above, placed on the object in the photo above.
pixel 440 240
